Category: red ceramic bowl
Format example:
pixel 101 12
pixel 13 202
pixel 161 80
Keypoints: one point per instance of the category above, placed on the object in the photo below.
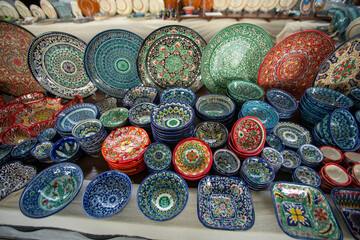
pixel 15 135
pixel 28 98
pixel 351 158
pixel 336 175
pixel 331 154
pixel 11 110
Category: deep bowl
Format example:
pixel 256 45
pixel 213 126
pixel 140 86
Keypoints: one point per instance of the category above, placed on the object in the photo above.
pixel 114 118
pixel 327 98
pixel 226 162
pixel 215 134
pixel 214 106
pixel 281 100
pixel 139 94
pixel 41 151
pixel 63 180
pixel 49 134
pixel 23 150
pixel 107 194
pixel 291 160
pixel 310 155
pixel 5 153
pixel 139 115
pixel 307 175
pixel 242 90
pixel 258 171
pixel 65 149
pixel 157 157
pixel 178 94
pixel 274 142
pixel 273 156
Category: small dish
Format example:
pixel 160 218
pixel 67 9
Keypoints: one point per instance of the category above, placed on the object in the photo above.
pixel 65 149
pixel 281 100
pixel 41 151
pixel 178 94
pixel 139 94
pixel 327 98
pixel 49 134
pixel 139 115
pixel 63 180
pixel 162 196
pixel 292 134
pixel 351 158
pixel 157 157
pixel 23 150
pixel 5 153
pixel 225 203
pixel 107 194
pixel 273 156
pixel 310 155
pixel 291 160
pixel 306 175
pixel 303 211
pixel 242 90
pixel 257 173
pixel 215 134
pixel 37 128
pixel 15 135
pixel 114 118
pixel 214 107
pixel 226 162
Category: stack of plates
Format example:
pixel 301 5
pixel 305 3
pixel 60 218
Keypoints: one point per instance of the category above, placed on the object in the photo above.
pixel 351 158
pixel 283 102
pixel 332 176
pixel 257 173
pixel 247 137
pixel 124 149
pixel 172 122
pixel 310 155
pixel 318 102
pixel 273 156
pixel 307 176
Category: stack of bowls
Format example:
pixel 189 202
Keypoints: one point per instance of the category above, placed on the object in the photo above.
pixel 332 176
pixel 318 102
pixel 247 137
pixel 331 155
pixel 351 158
pixel 354 172
pixel 157 157
pixel 172 122
pixel 339 129
pixel 273 156
pixel 226 162
pixel 49 134
pixel 310 155
pixel 306 175
pixel 22 151
pixel 261 110
pixel 215 107
pixel 241 91
pixel 257 173
pixel 124 149
pixel 291 160
pixel 192 159
pixel 215 134
pixel 114 118
pixel 66 149
pixel 140 94
pixel 283 102
pixel 139 115
pixel 178 94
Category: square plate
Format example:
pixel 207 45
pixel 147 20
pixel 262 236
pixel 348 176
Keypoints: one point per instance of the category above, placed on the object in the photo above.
pixel 225 203
pixel 303 211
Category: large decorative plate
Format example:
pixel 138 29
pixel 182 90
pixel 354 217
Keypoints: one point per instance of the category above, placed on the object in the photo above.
pixel 253 5
pixel 292 63
pixel 48 9
pixel 37 12
pixel 236 52
pixel 340 70
pixel 108 6
pixel 110 61
pixel 268 5
pixel 157 37
pixel 304 212
pixel 123 7
pixel 140 6
pixel 56 61
pixel 237 5
pixel 220 5
pixel 225 203
pixel 16 78
pixel 22 9
pixel 9 10
pixel 292 134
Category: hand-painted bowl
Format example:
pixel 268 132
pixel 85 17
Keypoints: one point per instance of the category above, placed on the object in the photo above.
pixel 162 196
pixel 6 122
pixel 274 142
pixel 5 153
pixel 242 90
pixel 65 149
pixel 331 154
pixel 336 175
pixel 178 94
pixel 114 118
pixel 49 134
pixel 106 104
pixel 226 162
pixel 281 100
pixel 41 151
pixel 139 94
pixel 11 109
pixel 158 157
pixel 354 95
pixel 292 134
pixel 273 156
pixel 215 134
pixel 327 98
pixel 107 194
pixel 291 160
pixel 15 135
pixel 139 115
pixel 51 190
pixel 28 98
pixel 23 150
pixel 351 158
pixel 306 175
pixel 214 107
pixel 310 155
pixel 257 173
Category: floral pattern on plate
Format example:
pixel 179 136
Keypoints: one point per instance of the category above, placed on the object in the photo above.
pixel 292 134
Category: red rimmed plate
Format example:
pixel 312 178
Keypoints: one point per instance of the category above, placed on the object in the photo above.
pixel 248 135
pixel 125 145
pixel 192 158
pixel 292 64
pixel 15 135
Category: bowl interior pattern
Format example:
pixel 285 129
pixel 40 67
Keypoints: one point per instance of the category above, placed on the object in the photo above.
pixel 114 117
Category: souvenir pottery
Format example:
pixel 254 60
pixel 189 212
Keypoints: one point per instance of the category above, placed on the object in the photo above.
pixel 310 155
pixel 114 118
pixel 49 134
pixel 274 142
pixel 106 104
pixel 215 107
pixel 5 153
pixel 306 175
pixel 157 157
pixel 214 134
pixel 22 151
pixel 241 91
pixel 27 98
pixel 284 103
pixel 257 173
pixel 226 162
pixel 41 151
pixel 273 156
pixel 178 94
pixel 15 135
pixel 89 7
pixel 140 94
pixel 291 161
pixel 292 134
pixel 139 115
pixel 66 149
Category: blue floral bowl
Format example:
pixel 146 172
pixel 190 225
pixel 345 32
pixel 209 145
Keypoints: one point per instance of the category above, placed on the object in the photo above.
pixel 215 134
pixel 23 150
pixel 158 157
pixel 310 155
pixel 257 173
pixel 139 94
pixel 66 149
pixel 306 175
pixel 51 190
pixel 327 98
pixel 49 134
pixel 291 161
pixel 354 95
pixel 273 156
pixel 178 94
pixel 281 100
pixel 107 194
pixel 139 115
pixel 5 153
pixel 226 162
pixel 214 107
pixel 162 195
pixel 274 142
pixel 41 151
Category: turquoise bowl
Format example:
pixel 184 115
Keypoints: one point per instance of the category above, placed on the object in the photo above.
pixel 178 94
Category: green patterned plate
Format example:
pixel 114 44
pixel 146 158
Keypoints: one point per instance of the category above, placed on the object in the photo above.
pixel 56 61
pixel 236 52
pixel 181 48
pixel 110 61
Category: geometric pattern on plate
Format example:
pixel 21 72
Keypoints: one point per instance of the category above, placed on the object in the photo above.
pixel 293 135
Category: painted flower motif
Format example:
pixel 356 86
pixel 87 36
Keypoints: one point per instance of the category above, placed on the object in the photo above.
pixel 296 213
pixel 321 215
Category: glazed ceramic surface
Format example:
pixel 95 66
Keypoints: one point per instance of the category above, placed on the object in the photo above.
pixel 162 196
pixel 236 52
pixel 14 176
pixel 47 135
pixel 258 170
pixel 106 104
pixel 178 94
pixel 226 162
pixel 107 194
pixel 5 153
pixel 307 175
pixel 292 134
pixel 273 156
pixel 213 133
pixel 15 135
pixel 291 159
pixel 110 61
pixel 157 156
pixel 292 64
pixel 65 149
pixel 310 154
pixel 27 98
pixel 281 100
pixel 214 106
pixel 274 142
pixel 303 211
pixel 41 151
pixel 182 48
pixel 114 118
pixel 22 151
pixel 242 90
pixel 139 115
pixel 324 98
pixel 89 7
pixel 16 78
pixel 56 61
pixel 225 203
pixel 139 94
pixel 62 180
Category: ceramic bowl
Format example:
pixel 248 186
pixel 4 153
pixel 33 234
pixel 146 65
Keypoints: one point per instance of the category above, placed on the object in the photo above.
pixel 49 134
pixel 5 153
pixel 306 175
pixel 291 160
pixel 65 149
pixel 243 91
pixel 292 134
pixel 215 134
pixel 257 173
pixel 68 118
pixel 139 94
pixel 178 94
pixel 107 194
pixel 28 98
pixel 336 175
pixel 214 107
pixel 220 199
pixel 281 100
pixel 310 155
pixel 351 158
pixel 41 151
pixel 162 196
pixel 157 157
pixel 274 142
pixel 10 110
pixel 261 110
pixel 114 118
pixel 226 162
pixel 23 150
pixel 6 122
pixel 354 95
pixel 356 173
pixel 273 156
pixel 63 180
pixel 106 104
pixel 15 135
pixel 139 115
pixel 327 98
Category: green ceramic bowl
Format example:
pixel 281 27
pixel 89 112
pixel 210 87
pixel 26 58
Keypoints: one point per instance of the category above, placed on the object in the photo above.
pixel 242 90
pixel 114 118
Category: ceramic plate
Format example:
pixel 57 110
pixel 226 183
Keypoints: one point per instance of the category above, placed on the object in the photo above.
pixel 236 52
pixel 22 9
pixel 191 37
pixel 318 5
pixel 37 11
pixel 268 5
pixel 340 70
pixel 14 43
pixel 156 6
pixel 306 6
pixel 292 63
pixel 353 29
pixel 48 9
pixel 110 61
pixel 221 5
pixel 292 134
pixel 253 5
pixel 123 7
pixel 225 203
pixel 304 212
pixel 108 6
pixel 9 10
pixel 63 10
pixel 285 5
pixel 89 7
pixel 347 202
pixel 56 61
pixel 237 5
pixel 140 6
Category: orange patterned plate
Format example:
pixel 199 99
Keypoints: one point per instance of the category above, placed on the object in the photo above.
pixel 89 7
